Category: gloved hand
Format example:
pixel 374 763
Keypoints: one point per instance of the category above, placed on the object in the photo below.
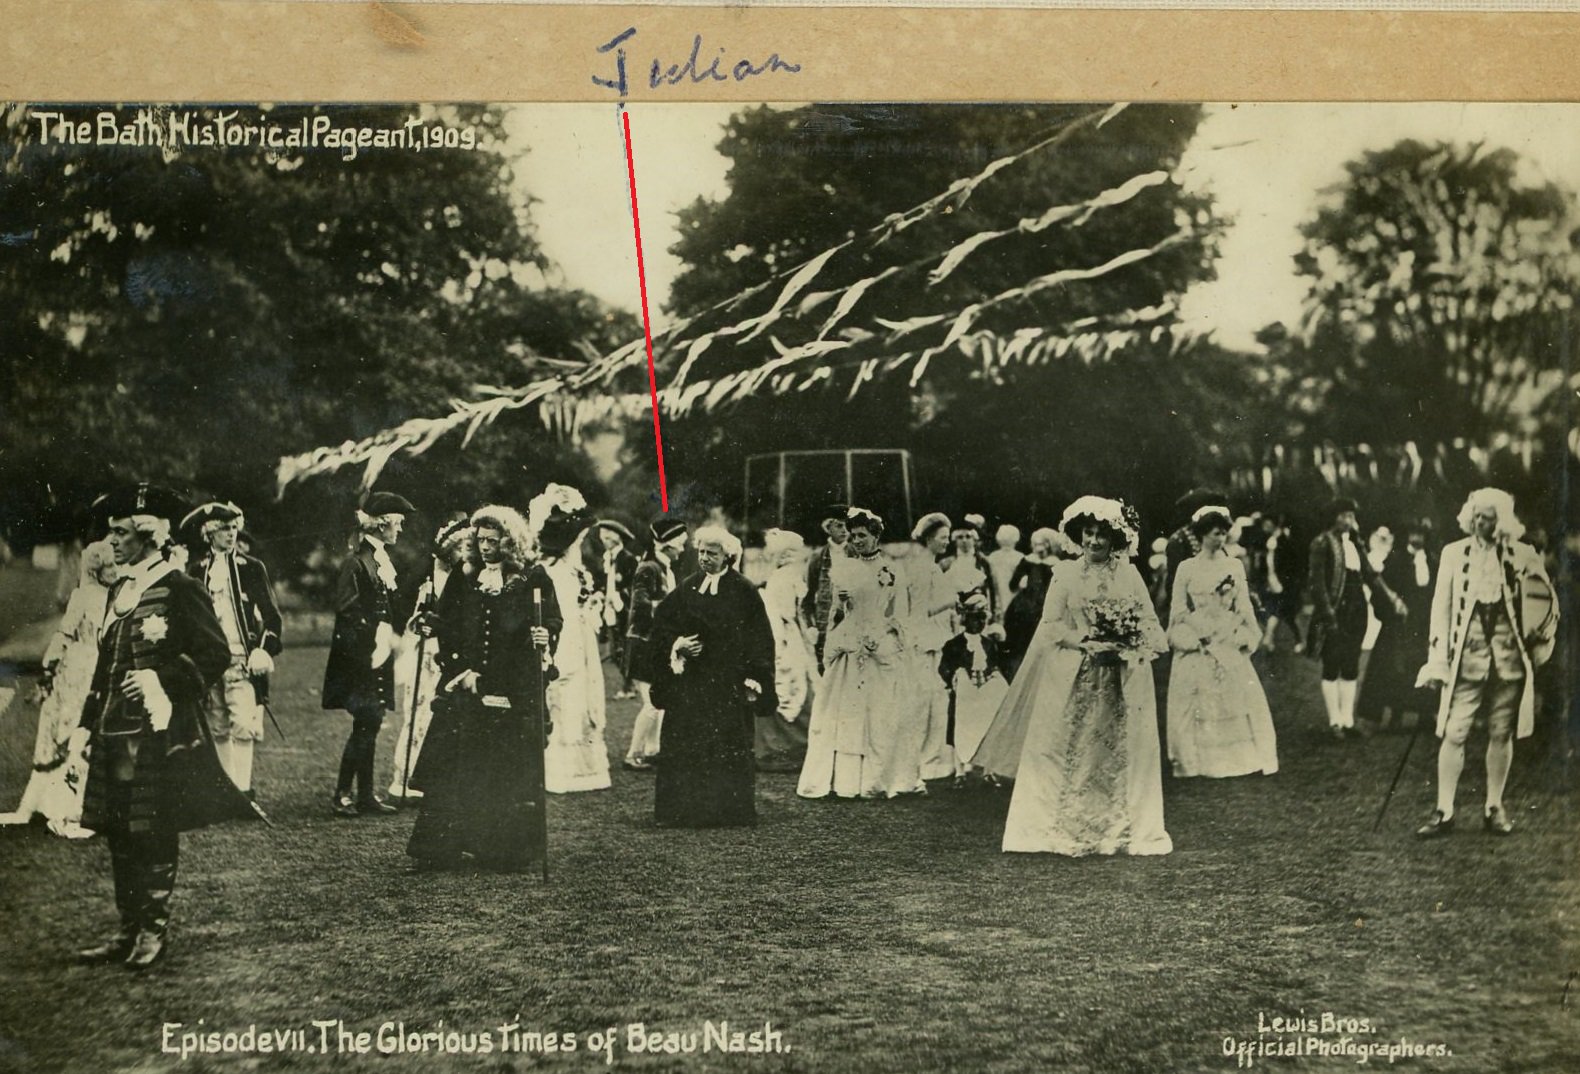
pixel 143 685
pixel 465 682
pixel 259 662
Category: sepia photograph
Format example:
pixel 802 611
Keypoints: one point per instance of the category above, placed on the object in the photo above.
pixel 805 587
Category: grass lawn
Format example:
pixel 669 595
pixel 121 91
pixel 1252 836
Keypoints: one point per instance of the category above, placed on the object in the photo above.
pixel 876 936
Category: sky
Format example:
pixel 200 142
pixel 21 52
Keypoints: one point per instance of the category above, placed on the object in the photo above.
pixel 1266 165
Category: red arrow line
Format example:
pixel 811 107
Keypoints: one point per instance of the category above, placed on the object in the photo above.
pixel 647 322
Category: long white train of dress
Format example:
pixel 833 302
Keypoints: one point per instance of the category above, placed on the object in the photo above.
pixel 1081 740
pixel 577 758
pixel 865 739
pixel 54 788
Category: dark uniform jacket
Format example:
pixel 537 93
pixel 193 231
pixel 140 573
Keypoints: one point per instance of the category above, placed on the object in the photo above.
pixel 1327 577
pixel 260 616
pixel 362 602
pixel 177 781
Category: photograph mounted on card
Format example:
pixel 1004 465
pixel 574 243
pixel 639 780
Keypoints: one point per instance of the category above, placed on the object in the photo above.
pixel 972 540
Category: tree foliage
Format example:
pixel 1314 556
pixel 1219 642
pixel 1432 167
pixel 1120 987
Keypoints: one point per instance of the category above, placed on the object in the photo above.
pixel 1442 290
pixel 193 314
pixel 987 439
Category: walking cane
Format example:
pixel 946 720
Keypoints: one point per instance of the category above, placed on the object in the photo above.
pixel 543 735
pixel 416 699
pixel 411 721
pixel 1398 772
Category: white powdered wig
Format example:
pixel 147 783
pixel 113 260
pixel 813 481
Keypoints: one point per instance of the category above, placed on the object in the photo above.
pixel 1509 525
pixel 720 536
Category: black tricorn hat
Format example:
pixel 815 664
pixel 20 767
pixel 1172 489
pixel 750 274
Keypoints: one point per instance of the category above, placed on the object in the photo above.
pixel 1340 505
pixel 665 530
pixel 387 503
pixel 213 511
pixel 139 499
pixel 614 526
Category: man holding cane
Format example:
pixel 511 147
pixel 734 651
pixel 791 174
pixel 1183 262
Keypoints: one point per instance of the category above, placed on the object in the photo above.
pixel 1483 653
pixel 481 769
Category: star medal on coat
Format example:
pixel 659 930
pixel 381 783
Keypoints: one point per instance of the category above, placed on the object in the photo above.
pixel 155 628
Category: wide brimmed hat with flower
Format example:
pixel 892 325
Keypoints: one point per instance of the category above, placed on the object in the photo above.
pixel 556 517
pixel 1116 514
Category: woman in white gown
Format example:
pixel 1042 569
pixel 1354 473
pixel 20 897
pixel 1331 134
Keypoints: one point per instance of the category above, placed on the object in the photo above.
pixel 932 600
pixel 1218 720
pixel 577 758
pixel 866 739
pixel 416 660
pixel 1078 730
pixel 54 789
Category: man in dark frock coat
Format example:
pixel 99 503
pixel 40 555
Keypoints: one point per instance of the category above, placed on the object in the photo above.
pixel 713 657
pixel 153 771
pixel 481 769
pixel 360 675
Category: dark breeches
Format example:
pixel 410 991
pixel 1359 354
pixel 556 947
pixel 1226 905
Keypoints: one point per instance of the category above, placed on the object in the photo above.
pixel 356 762
pixel 1341 649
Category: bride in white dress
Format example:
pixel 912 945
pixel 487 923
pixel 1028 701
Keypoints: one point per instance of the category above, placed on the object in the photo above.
pixel 865 739
pixel 1078 729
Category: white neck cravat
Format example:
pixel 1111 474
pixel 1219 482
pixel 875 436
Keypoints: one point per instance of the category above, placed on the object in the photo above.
pixel 1352 555
pixel 1486 573
pixel 1423 570
pixel 710 584
pixel 381 559
pixel 491 579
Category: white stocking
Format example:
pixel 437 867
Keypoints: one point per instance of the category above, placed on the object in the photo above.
pixel 241 763
pixel 1330 700
pixel 1346 702
pixel 1500 757
pixel 1450 763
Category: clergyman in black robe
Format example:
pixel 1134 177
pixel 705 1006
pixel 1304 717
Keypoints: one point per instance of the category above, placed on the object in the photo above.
pixel 713 653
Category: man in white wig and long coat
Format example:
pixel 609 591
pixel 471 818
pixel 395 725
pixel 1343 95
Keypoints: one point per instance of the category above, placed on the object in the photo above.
pixel 1484 649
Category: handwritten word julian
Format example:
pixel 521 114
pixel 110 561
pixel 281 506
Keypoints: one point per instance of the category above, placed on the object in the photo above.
pixel 695 70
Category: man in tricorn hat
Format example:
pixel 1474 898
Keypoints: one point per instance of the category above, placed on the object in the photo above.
pixel 152 773
pixel 359 677
pixel 243 600
pixel 1339 577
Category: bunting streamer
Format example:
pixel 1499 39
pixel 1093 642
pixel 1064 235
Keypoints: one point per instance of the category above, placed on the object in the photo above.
pixel 563 397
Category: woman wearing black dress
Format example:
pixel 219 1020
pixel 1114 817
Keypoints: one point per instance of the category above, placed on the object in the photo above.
pixel 1029 586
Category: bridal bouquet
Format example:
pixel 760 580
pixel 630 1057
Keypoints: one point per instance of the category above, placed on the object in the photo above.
pixel 1116 620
